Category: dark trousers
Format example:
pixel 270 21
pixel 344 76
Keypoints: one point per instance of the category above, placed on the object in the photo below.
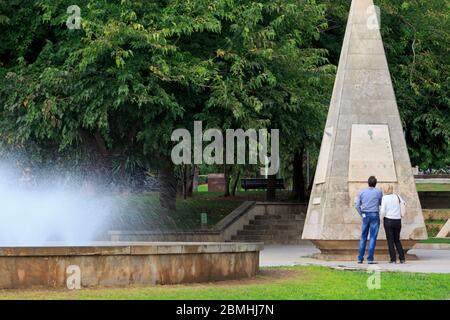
pixel 393 228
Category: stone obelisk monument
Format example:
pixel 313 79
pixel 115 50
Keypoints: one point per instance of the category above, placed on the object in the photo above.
pixel 363 136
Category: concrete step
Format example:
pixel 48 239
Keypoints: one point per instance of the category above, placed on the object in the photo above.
pixel 274 233
pixel 272 241
pixel 258 227
pixel 274 221
pixel 284 228
pixel 268 217
pixel 265 237
pixel 286 216
pixel 289 241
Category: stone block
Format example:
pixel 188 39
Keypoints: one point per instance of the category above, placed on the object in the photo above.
pixel 360 31
pixel 125 264
pixel 365 46
pixel 362 62
pixel 368 92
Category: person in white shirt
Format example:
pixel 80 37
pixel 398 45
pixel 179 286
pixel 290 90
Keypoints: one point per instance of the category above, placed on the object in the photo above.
pixel 391 210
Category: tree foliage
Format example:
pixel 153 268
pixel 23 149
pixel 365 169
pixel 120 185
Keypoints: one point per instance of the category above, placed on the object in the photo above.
pixel 113 91
pixel 416 36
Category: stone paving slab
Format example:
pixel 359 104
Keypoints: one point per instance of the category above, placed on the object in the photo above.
pixel 430 261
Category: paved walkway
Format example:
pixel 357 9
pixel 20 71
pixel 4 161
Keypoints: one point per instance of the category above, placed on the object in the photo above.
pixel 430 261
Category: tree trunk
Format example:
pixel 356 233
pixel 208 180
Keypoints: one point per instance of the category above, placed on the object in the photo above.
pixel 226 173
pixel 98 159
pixel 195 179
pixel 310 184
pixel 184 174
pixel 168 187
pixel 271 187
pixel 226 170
pixel 299 179
pixel 190 179
pixel 235 183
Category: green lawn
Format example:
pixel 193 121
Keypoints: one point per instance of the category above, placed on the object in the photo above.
pixel 435 240
pixel 300 282
pixel 433 186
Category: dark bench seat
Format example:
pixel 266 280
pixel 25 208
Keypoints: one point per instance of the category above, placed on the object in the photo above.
pixel 260 183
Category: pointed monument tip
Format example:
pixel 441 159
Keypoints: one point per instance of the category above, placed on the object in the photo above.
pixel 363 136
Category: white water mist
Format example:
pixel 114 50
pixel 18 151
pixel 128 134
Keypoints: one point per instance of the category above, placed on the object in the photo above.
pixel 40 214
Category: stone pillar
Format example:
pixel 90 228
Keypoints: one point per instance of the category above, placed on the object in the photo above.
pixel 363 136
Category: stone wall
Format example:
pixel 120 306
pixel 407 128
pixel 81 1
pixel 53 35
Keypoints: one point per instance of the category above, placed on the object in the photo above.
pixel 434 200
pixel 126 264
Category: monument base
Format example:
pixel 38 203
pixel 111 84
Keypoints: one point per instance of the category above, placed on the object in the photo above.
pixel 347 250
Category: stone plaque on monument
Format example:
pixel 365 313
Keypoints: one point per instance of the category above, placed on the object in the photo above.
pixel 371 153
pixel 363 137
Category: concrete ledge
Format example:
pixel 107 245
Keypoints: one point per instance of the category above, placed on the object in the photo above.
pixel 130 248
pixel 113 264
pixel 433 246
pixel 433 180
pixel 433 176
pixel 347 250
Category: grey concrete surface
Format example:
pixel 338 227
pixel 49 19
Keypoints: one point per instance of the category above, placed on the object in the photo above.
pixel 430 261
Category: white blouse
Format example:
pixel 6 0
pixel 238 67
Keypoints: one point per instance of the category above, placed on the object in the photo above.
pixel 390 206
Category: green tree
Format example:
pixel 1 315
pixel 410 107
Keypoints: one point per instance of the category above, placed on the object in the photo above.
pixel 416 37
pixel 116 87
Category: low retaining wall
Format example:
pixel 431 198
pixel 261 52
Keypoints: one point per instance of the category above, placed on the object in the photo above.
pixel 116 264
pixel 434 199
pixel 432 176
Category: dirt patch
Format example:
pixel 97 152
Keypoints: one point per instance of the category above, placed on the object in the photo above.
pixel 436 214
pixel 265 275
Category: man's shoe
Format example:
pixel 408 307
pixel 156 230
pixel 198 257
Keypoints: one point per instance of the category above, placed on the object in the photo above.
pixel 392 261
pixel 360 261
pixel 402 261
pixel 372 262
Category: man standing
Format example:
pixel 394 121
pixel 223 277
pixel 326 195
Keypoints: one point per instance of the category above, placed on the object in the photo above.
pixel 368 204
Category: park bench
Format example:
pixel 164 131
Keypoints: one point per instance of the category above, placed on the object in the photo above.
pixel 260 183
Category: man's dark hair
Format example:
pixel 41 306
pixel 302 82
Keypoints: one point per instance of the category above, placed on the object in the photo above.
pixel 372 181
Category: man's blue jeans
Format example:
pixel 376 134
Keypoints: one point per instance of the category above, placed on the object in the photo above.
pixel 370 223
